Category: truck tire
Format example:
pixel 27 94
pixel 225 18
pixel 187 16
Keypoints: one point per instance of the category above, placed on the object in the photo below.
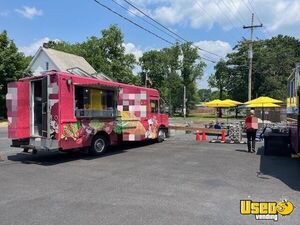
pixel 99 145
pixel 161 135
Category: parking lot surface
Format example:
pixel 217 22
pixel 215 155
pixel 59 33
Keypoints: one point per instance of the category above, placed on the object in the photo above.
pixel 179 181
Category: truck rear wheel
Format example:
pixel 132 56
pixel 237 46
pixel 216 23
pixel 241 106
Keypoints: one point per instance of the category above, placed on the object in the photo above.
pixel 99 145
pixel 161 135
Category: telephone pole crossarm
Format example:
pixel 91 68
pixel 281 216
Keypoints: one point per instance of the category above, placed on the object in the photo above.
pixel 254 26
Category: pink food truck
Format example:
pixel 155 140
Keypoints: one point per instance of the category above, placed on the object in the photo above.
pixel 62 111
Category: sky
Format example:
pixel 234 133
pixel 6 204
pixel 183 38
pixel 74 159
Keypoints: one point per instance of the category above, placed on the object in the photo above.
pixel 213 25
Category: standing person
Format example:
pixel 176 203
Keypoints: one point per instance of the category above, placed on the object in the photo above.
pixel 251 125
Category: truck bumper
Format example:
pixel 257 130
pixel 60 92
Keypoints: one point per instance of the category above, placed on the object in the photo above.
pixel 36 143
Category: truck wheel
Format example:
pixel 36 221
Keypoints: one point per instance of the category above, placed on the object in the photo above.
pixel 161 135
pixel 99 145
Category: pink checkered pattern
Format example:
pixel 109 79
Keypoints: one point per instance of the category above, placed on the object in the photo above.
pixel 136 103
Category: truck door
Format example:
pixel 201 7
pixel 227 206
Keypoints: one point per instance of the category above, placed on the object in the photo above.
pixel 45 106
pixel 153 118
pixel 18 108
pixel 39 107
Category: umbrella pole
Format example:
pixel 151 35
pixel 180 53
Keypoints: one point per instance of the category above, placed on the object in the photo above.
pixel 227 116
pixel 263 116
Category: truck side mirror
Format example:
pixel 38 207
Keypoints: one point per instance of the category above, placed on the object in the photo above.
pixel 164 109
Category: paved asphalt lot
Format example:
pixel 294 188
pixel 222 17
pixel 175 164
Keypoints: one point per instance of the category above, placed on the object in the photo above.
pixel 175 182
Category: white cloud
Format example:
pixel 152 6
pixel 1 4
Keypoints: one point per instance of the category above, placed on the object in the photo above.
pixel 29 12
pixel 195 13
pixel 131 48
pixel 286 14
pixel 278 16
pixel 168 15
pixel 218 47
pixel 33 47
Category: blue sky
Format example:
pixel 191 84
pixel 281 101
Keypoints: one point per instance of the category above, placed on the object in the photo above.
pixel 214 25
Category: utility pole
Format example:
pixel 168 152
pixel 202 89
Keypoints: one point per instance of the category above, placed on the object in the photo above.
pixel 250 54
pixel 184 101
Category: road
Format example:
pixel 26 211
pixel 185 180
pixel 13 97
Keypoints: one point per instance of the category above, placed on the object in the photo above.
pixel 174 182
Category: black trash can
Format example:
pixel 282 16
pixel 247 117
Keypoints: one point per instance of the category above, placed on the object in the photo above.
pixel 277 144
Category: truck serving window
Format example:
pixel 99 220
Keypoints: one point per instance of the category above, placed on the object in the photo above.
pixel 154 106
pixel 93 102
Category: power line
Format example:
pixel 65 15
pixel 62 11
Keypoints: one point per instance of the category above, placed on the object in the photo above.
pixel 149 17
pixel 146 21
pixel 237 9
pixel 203 9
pixel 252 10
pixel 214 18
pixel 258 17
pixel 177 35
pixel 229 9
pixel 163 30
pixel 134 23
pixel 143 28
pixel 226 16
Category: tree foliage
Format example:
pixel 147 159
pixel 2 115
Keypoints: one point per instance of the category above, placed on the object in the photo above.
pixel 106 54
pixel 172 68
pixel 13 65
pixel 273 61
pixel 169 69
pixel 220 78
pixel 205 95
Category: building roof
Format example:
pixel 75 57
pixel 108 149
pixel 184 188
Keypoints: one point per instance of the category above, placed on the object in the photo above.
pixel 65 61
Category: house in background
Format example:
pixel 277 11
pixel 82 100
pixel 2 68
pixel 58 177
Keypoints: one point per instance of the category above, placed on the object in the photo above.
pixel 46 59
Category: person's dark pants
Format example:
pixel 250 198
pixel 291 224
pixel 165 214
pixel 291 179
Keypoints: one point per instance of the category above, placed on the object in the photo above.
pixel 251 135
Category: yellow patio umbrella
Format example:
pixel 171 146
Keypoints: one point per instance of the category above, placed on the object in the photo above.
pixel 265 105
pixel 263 100
pixel 232 101
pixel 219 104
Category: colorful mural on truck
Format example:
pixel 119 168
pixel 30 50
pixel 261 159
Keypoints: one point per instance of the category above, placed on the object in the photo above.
pixel 53 106
pixel 132 124
pixel 128 125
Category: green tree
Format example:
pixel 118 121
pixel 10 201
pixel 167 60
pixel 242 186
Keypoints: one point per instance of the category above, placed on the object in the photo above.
pixel 106 54
pixel 191 69
pixel 13 66
pixel 172 68
pixel 160 68
pixel 273 61
pixel 120 64
pixel 220 78
pixel 204 95
pixel 151 67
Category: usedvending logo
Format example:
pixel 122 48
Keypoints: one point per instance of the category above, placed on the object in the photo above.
pixel 266 210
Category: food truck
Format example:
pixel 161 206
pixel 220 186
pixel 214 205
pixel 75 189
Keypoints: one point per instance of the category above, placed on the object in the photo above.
pixel 63 111
pixel 293 107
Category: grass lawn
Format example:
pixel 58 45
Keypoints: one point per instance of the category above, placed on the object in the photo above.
pixel 3 123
